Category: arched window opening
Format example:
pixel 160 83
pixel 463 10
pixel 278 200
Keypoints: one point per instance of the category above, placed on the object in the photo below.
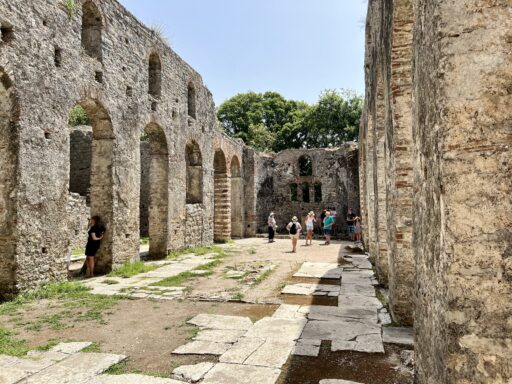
pixel 236 199
pixel 294 192
pixel 318 193
pixel 305 193
pixel 194 163
pixel 191 100
pixel 305 166
pixel 155 76
pixel 91 30
pixel 222 199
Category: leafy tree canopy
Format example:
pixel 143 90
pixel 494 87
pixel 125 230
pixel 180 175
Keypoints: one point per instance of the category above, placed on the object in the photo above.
pixel 269 122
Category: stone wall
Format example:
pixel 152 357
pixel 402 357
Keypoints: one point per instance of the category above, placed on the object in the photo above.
pixel 46 69
pixel 80 151
pixel 334 173
pixel 436 163
pixel 78 213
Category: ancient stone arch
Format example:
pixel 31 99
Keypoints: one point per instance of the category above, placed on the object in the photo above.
pixel 102 176
pixel 8 185
pixel 92 25
pixel 158 191
pixel 222 198
pixel 236 199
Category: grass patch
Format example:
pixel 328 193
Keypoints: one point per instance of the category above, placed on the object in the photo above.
pixel 130 269
pixel 110 282
pixel 93 348
pixel 265 275
pixel 174 281
pixel 11 346
pixel 144 240
pixel 49 345
pixel 198 251
pixel 72 302
pixel 239 296
pixel 122 369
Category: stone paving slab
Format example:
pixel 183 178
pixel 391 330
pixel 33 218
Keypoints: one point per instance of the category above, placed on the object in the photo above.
pixel 220 335
pixel 335 381
pixel 131 379
pixel 338 330
pixel 359 289
pixel 325 313
pixel 193 373
pixel 272 354
pixel 359 302
pixel 289 311
pixel 364 343
pixel 244 348
pixel 200 347
pixel 311 289
pixel 275 328
pixel 402 336
pixel 70 348
pixel 207 321
pixel 76 369
pixel 307 347
pixel 320 270
pixel 241 374
pixel 47 355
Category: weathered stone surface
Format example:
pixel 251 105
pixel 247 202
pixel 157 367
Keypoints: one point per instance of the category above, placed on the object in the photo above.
pixel 131 379
pixel 289 311
pixel 241 350
pixel 70 348
pixel 200 347
pixel 311 289
pixel 281 329
pixel 192 373
pixel 220 336
pixel 307 347
pixel 78 368
pixel 394 335
pixel 272 353
pixel 335 381
pixel 338 330
pixel 319 270
pixel 241 374
pixel 221 322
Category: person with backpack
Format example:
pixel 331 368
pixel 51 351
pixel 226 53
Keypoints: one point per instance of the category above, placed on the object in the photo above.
pixel 294 229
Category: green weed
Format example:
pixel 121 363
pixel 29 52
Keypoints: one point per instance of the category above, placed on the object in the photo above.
pixel 9 345
pixel 130 269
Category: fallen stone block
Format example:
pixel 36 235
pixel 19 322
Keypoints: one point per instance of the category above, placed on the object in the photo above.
pixel 192 373
pixel 241 374
pixel 402 336
pixel 221 322
pixel 307 347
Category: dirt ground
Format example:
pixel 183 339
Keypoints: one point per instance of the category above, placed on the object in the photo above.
pixel 147 331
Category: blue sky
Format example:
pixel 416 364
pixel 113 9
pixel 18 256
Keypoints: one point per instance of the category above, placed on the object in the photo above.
pixel 295 47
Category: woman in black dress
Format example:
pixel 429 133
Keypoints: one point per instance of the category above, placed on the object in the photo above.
pixel 96 232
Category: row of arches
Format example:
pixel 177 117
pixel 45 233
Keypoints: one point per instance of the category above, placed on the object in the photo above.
pixel 91 36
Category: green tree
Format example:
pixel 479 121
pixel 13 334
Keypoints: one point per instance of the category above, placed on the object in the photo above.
pixel 267 121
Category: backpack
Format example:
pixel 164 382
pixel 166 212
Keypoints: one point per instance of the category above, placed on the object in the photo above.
pixel 293 229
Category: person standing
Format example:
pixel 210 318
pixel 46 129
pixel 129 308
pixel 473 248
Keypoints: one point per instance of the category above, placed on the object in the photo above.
pixel 95 232
pixel 272 225
pixel 294 229
pixel 310 227
pixel 357 229
pixel 351 217
pixel 328 223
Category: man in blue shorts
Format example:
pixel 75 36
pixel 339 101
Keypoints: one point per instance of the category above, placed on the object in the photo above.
pixel 328 223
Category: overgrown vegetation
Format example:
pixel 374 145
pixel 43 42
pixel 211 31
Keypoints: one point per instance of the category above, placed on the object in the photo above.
pixel 265 275
pixel 130 269
pixel 78 116
pixel 122 369
pixel 70 6
pixel 268 121
pixel 144 240
pixel 67 304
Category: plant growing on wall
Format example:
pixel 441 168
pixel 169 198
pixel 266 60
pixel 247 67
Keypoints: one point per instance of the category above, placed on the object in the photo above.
pixel 70 6
pixel 78 116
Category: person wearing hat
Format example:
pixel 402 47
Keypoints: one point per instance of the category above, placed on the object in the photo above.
pixel 310 227
pixel 294 229
pixel 272 225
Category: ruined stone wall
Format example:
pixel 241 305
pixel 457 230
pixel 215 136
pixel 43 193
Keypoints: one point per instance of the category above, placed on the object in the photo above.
pixel 80 151
pixel 446 179
pixel 78 213
pixel 335 170
pixel 145 162
pixel 44 64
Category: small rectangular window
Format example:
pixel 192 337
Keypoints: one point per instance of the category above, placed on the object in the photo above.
pixel 305 193
pixel 318 193
pixel 293 192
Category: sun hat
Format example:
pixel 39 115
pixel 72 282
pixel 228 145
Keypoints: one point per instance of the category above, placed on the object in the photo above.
pixel 311 213
pixel 294 218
